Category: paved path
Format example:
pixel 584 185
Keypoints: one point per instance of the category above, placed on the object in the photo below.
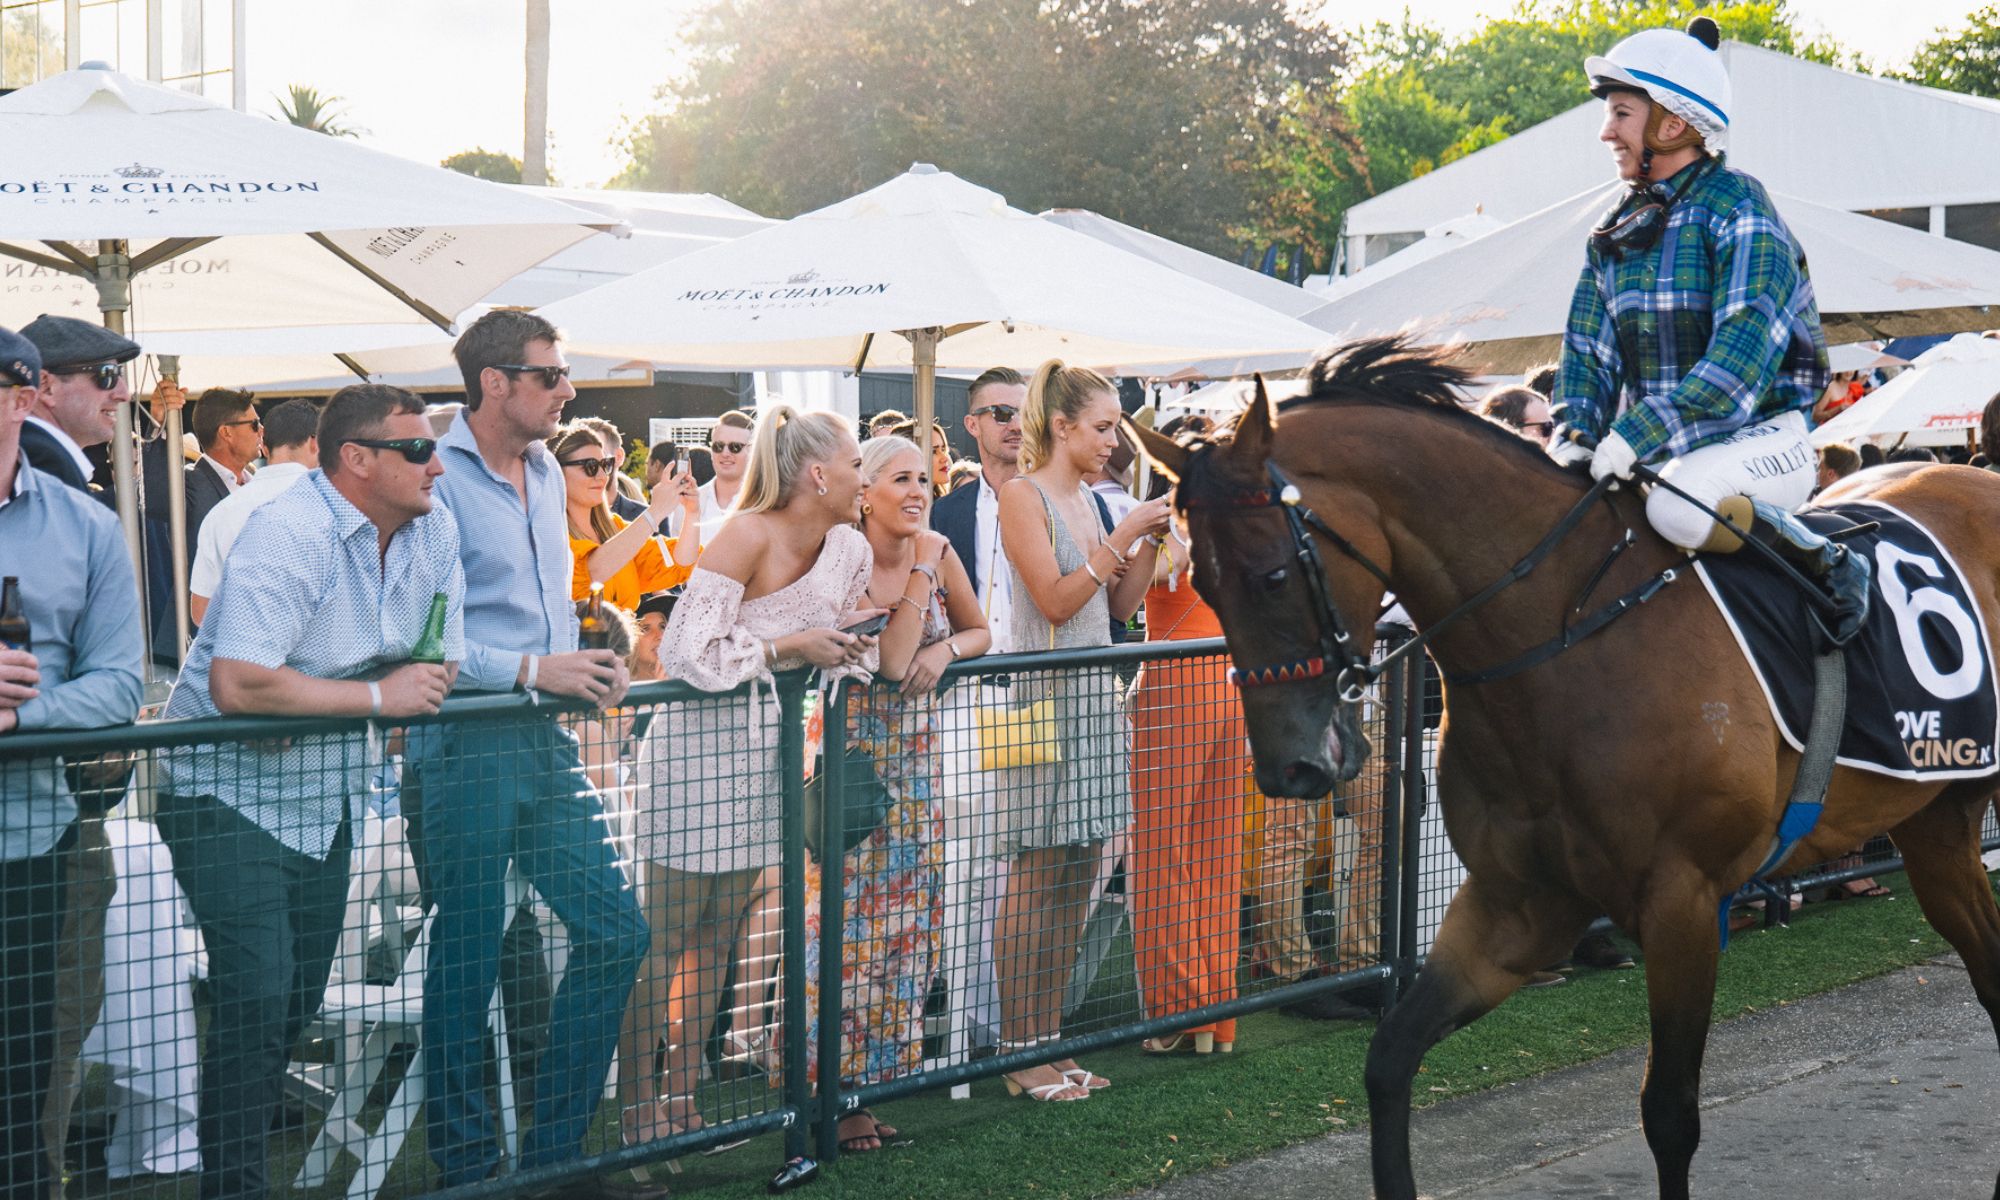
pixel 1886 1089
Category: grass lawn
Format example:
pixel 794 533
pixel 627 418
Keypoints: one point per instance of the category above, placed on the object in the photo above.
pixel 1291 1080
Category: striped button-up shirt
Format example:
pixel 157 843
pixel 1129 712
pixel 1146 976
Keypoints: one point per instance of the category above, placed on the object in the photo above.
pixel 517 559
pixel 1713 329
pixel 308 588
pixel 83 614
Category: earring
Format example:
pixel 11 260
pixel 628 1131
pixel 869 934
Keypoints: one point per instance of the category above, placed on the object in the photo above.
pixel 822 489
pixel 866 509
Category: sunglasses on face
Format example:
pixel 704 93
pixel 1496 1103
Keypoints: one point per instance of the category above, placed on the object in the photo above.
pixel 1003 413
pixel 255 423
pixel 729 447
pixel 104 375
pixel 1540 429
pixel 549 376
pixel 415 450
pixel 593 467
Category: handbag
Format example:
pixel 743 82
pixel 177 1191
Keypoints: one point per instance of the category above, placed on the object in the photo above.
pixel 1022 735
pixel 864 800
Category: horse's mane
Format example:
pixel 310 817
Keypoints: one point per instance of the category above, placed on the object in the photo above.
pixel 1394 372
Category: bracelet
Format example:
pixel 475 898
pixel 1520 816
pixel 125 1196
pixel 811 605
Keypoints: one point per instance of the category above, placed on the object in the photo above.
pixel 1122 560
pixel 916 605
pixel 652 522
pixel 927 570
pixel 1092 572
pixel 951 644
pixel 770 654
pixel 374 698
pixel 534 668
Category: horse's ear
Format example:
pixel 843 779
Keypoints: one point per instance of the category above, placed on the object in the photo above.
pixel 1257 427
pixel 1167 454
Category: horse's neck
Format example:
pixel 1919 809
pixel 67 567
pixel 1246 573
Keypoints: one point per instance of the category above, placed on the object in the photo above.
pixel 1459 513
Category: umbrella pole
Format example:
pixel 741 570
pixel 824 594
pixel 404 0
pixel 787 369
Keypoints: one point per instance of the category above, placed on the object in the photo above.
pixel 923 385
pixel 170 372
pixel 111 271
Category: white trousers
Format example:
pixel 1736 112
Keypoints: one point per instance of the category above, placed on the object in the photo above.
pixel 1772 462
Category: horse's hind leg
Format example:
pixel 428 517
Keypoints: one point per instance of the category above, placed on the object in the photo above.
pixel 1483 951
pixel 1679 932
pixel 1940 847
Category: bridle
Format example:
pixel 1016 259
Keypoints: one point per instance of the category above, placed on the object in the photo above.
pixel 1353 673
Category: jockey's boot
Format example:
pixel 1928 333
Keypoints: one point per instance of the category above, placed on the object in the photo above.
pixel 1843 574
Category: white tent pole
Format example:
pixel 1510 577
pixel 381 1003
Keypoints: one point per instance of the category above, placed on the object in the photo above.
pixel 923 385
pixel 112 273
pixel 170 372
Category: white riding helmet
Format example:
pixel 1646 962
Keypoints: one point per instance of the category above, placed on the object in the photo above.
pixel 1681 72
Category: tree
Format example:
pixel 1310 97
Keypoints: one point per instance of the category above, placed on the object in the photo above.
pixel 30 47
pixel 1965 61
pixel 307 109
pixel 485 164
pixel 1160 113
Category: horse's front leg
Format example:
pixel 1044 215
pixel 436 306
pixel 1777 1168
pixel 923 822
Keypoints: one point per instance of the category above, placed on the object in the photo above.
pixel 1486 947
pixel 1678 930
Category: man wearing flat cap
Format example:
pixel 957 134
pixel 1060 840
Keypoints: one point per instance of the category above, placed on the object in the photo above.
pixel 83 384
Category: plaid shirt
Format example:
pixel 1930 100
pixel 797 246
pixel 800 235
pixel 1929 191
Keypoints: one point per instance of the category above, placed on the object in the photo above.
pixel 1713 329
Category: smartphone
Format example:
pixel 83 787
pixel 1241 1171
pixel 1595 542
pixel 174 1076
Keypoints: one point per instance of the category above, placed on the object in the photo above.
pixel 869 627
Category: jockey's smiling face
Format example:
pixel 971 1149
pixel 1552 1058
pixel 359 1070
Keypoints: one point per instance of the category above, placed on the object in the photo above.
pixel 1625 116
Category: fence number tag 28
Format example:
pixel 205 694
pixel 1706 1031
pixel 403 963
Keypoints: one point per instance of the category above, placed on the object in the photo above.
pixel 1909 606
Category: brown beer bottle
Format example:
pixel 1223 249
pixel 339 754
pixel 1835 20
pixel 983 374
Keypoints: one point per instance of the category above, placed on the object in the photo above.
pixel 14 631
pixel 593 631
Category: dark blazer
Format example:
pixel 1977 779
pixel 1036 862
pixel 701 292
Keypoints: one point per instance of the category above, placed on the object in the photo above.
pixel 205 490
pixel 46 454
pixel 956 516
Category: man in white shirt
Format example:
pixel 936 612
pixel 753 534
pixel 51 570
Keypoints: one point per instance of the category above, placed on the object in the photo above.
pixel 293 450
pixel 970 517
pixel 729 450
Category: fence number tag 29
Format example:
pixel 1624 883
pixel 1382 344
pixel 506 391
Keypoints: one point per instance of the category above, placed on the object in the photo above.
pixel 1909 605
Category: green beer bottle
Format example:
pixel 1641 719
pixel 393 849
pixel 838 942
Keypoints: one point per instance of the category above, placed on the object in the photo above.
pixel 430 643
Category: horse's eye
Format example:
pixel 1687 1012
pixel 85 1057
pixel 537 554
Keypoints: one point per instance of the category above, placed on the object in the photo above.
pixel 1275 580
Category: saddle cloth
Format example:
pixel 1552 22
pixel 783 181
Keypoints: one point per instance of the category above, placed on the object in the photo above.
pixel 1921 695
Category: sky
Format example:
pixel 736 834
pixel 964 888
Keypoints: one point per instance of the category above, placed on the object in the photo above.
pixel 429 78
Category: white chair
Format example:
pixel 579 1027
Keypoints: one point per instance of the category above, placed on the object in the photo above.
pixel 368 1021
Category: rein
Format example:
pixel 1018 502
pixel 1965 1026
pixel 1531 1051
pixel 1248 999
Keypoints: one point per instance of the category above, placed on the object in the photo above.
pixel 1354 673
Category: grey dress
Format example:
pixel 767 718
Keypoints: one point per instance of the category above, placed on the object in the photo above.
pixel 1086 796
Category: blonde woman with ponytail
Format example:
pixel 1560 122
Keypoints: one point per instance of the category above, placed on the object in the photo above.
pixel 1070 578
pixel 772 592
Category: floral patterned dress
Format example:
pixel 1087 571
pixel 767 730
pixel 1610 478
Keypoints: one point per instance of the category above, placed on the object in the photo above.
pixel 894 894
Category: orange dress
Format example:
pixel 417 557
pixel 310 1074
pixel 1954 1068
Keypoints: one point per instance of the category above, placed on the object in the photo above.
pixel 1188 762
pixel 651 570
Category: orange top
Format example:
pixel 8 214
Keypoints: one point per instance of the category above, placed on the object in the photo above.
pixel 651 570
pixel 1178 615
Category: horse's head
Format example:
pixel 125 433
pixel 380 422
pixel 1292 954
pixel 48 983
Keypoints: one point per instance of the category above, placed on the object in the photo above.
pixel 1289 634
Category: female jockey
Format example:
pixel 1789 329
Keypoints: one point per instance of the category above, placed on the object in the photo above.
pixel 1693 341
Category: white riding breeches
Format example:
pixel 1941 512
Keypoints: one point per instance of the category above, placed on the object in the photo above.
pixel 1772 462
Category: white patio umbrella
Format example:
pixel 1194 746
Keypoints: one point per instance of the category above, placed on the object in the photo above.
pixel 924 271
pixel 164 211
pixel 1504 297
pixel 1933 403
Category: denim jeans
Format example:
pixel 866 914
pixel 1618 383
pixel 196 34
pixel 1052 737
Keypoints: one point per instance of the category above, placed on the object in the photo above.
pixel 515 792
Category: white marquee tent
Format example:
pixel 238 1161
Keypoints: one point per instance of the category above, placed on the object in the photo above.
pixel 1833 137
pixel 1934 403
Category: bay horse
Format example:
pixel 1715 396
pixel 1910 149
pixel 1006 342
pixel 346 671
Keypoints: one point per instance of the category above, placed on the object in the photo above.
pixel 1638 773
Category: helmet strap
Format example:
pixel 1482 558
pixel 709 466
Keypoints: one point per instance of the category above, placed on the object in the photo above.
pixel 1689 136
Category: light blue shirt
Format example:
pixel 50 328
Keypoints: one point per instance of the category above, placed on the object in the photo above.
pixel 82 605
pixel 308 589
pixel 517 559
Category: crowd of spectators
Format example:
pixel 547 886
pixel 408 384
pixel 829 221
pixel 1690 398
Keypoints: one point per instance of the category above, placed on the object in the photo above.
pixel 374 523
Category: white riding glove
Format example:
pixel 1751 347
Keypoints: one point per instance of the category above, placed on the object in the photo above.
pixel 1567 453
pixel 1614 456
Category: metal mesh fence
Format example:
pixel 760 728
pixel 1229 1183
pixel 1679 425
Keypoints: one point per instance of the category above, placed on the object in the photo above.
pixel 515 944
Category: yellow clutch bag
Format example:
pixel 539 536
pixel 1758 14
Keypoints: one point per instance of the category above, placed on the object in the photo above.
pixel 1018 737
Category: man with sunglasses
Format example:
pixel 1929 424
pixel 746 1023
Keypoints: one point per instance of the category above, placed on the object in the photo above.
pixel 326 596
pixel 1694 342
pixel 489 794
pixel 291 438
pixel 729 454
pixel 83 383
pixel 231 435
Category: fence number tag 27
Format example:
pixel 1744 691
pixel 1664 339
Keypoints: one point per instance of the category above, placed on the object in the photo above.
pixel 1909 605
